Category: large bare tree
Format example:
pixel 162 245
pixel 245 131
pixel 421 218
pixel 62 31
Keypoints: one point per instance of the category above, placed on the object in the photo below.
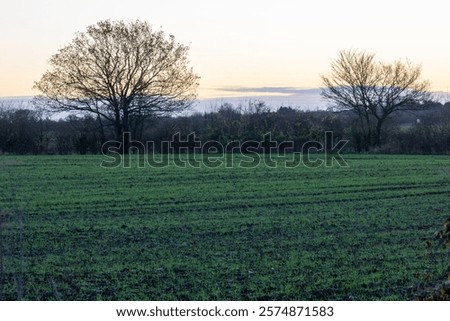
pixel 374 90
pixel 122 72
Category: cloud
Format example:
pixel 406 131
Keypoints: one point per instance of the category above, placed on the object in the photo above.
pixel 271 90
pixel 274 97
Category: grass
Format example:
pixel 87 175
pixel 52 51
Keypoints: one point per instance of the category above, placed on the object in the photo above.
pixel 91 233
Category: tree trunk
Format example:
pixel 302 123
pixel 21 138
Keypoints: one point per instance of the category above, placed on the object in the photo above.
pixel 119 135
pixel 126 137
pixel 102 129
pixel 369 138
pixel 118 128
pixel 364 134
pixel 378 132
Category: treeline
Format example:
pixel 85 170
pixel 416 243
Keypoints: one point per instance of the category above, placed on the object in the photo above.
pixel 27 131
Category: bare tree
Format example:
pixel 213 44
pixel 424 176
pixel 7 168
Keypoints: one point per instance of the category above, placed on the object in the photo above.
pixel 374 90
pixel 122 72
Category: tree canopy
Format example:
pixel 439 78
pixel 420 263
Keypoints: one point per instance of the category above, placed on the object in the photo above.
pixel 122 72
pixel 374 89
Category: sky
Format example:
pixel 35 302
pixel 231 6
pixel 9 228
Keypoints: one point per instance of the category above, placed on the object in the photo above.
pixel 239 48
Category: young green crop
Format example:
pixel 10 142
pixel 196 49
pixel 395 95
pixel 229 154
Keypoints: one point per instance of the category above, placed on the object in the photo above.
pixel 261 233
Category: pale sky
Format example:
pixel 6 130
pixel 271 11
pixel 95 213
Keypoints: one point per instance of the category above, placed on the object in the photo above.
pixel 237 44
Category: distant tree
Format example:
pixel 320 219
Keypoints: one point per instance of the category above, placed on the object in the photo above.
pixel 19 130
pixel 122 72
pixel 374 90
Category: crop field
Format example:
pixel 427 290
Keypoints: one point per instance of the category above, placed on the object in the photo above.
pixel 72 230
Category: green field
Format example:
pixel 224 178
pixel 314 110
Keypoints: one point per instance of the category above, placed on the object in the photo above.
pixel 91 233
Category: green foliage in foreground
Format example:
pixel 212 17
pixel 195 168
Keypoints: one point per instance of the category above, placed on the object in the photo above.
pixel 261 233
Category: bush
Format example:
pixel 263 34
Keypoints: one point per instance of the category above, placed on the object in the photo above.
pixel 436 289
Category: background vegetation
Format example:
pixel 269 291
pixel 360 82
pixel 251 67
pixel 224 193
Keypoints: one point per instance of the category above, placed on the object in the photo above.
pixel 27 131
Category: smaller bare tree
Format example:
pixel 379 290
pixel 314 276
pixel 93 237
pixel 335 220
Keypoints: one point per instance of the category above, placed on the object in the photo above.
pixel 374 90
